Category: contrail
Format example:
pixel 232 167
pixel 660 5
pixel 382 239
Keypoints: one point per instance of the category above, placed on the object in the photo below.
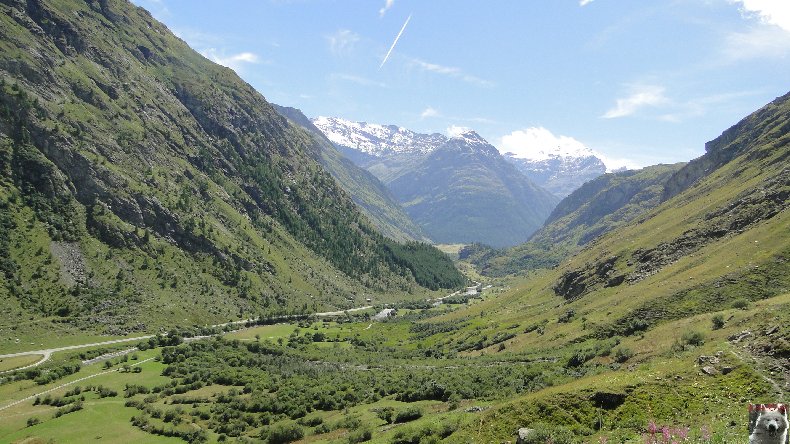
pixel 395 42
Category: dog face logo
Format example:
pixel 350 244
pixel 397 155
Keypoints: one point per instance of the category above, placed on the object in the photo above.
pixel 768 424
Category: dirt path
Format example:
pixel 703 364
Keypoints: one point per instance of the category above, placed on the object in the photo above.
pixel 47 353
pixel 68 384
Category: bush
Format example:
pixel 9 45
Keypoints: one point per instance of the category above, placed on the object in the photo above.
pixel 360 435
pixel 283 433
pixel 740 303
pixel 408 414
pixel 543 434
pixel 622 354
pixel 32 421
pixel 718 322
pixel 311 421
pixel 386 414
pixel 693 338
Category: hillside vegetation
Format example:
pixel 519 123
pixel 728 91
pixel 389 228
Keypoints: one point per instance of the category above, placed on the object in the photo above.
pixel 599 206
pixel 372 196
pixel 143 188
pixel 142 184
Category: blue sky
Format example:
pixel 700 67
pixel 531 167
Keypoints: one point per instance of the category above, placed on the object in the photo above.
pixel 640 82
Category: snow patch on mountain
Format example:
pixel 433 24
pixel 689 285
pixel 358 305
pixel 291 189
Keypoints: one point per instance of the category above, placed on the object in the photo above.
pixel 470 141
pixel 538 143
pixel 377 140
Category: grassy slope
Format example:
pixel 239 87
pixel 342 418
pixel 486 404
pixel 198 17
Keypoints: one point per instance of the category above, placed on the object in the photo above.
pixel 164 175
pixel 367 191
pixel 599 206
pixel 680 297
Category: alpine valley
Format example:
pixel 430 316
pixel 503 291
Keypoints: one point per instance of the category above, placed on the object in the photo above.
pixel 184 261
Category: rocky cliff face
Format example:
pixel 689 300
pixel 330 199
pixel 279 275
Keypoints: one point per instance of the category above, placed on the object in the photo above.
pixel 117 137
pixel 740 184
pixel 770 122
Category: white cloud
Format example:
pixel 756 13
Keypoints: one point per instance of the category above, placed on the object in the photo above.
pixel 342 42
pixel 357 79
pixel 233 61
pixel 429 112
pixel 640 96
pixel 699 106
pixel 386 7
pixel 538 143
pixel 455 130
pixel 619 163
pixel 451 71
pixel 758 42
pixel 773 12
pixel 585 2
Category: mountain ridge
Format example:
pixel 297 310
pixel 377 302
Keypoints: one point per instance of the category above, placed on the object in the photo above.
pixel 558 170
pixel 366 190
pixel 166 175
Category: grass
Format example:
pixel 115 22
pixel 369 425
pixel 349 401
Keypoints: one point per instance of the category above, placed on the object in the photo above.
pixel 13 420
pixel 7 364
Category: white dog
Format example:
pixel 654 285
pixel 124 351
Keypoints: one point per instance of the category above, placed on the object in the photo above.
pixel 771 424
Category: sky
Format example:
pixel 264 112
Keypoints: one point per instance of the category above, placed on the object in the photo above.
pixel 638 82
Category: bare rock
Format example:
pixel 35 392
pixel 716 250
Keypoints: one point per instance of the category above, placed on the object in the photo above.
pixel 710 370
pixel 737 337
pixel 523 434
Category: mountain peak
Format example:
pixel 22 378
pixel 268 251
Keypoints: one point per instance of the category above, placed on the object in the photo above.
pixel 375 139
pixel 471 141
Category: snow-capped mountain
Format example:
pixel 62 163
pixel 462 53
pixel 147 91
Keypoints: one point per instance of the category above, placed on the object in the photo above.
pixel 560 167
pixel 464 191
pixel 471 142
pixel 561 164
pixel 560 174
pixel 377 140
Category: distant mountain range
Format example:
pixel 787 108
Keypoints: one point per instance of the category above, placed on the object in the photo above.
pixel 458 190
pixel 372 196
pixel 560 170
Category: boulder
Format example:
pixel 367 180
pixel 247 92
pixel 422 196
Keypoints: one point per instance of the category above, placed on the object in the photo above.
pixel 524 434
pixel 710 370
pixel 707 360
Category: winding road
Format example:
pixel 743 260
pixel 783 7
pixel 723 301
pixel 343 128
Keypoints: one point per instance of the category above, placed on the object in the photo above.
pixel 47 353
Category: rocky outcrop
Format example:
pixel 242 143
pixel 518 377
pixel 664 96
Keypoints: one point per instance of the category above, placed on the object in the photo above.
pixel 751 207
pixel 576 283
pixel 769 122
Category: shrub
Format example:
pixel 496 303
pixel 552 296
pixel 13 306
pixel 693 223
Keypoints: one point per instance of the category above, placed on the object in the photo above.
pixel 693 338
pixel 311 421
pixel 579 358
pixel 360 435
pixel 283 433
pixel 718 321
pixel 386 414
pixel 740 303
pixel 543 434
pixel 408 414
pixel 32 421
pixel 622 354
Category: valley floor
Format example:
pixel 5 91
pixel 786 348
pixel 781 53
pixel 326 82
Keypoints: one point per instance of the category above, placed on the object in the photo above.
pixel 423 376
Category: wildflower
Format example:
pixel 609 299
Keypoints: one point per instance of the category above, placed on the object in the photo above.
pixel 666 433
pixel 705 432
pixel 652 428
